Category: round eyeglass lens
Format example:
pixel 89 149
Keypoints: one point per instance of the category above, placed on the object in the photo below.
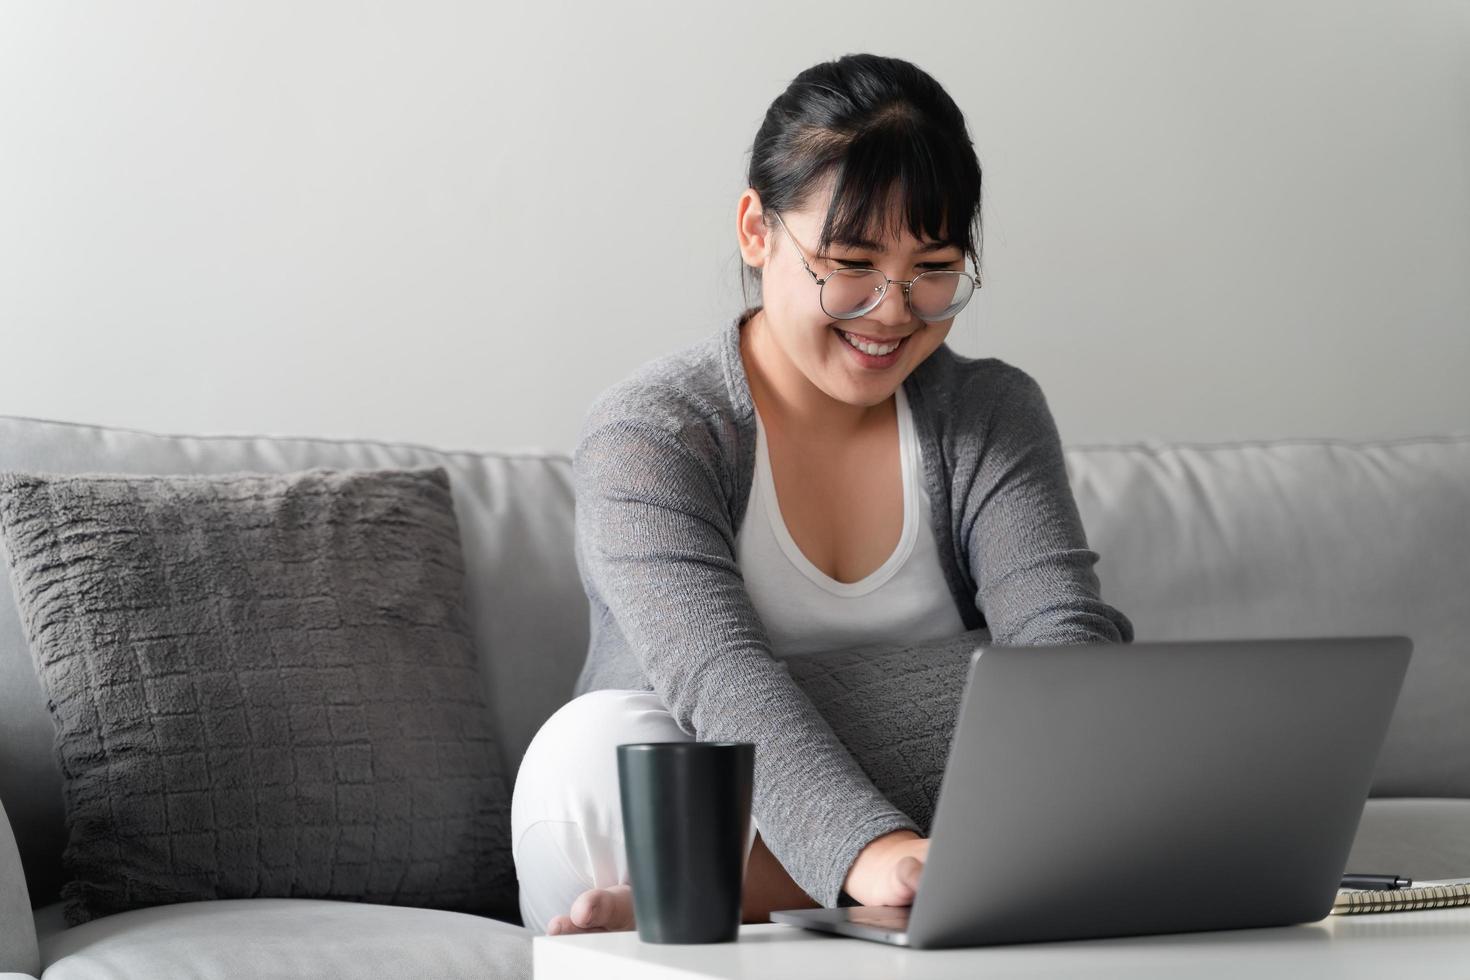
pixel 849 293
pixel 938 295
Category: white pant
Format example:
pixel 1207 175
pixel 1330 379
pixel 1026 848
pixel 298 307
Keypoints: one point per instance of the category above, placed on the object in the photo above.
pixel 566 817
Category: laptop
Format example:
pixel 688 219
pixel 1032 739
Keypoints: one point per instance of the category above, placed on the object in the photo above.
pixel 1114 789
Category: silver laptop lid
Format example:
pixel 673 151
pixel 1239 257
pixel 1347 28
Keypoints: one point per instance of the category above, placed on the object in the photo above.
pixel 1119 789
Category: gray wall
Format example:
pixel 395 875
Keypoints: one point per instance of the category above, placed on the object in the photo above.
pixel 1204 220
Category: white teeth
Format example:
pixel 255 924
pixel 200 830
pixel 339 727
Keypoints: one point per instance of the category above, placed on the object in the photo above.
pixel 869 348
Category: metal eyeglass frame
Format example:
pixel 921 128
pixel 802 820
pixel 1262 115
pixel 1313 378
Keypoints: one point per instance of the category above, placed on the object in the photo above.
pixel 906 284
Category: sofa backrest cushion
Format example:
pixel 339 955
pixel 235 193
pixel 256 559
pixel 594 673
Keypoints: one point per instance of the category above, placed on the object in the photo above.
pixel 527 611
pixel 1298 538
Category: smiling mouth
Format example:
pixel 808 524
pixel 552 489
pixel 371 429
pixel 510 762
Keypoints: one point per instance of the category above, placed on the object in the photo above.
pixel 880 341
pixel 880 349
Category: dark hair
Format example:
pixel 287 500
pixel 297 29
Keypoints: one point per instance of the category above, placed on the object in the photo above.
pixel 879 125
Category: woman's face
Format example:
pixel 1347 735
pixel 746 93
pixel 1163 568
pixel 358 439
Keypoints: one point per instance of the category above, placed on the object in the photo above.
pixel 812 341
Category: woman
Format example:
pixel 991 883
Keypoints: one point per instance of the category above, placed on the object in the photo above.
pixel 821 472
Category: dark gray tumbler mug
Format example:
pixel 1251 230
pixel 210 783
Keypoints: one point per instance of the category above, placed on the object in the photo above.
pixel 686 814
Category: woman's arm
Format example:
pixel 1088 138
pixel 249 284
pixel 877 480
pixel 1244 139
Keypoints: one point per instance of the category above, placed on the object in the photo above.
pixel 655 541
pixel 1028 551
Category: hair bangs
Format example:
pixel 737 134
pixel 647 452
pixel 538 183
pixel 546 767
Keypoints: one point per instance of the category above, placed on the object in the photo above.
pixel 893 178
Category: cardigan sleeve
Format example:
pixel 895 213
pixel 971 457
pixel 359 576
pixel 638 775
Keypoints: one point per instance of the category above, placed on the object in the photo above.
pixel 655 542
pixel 1027 549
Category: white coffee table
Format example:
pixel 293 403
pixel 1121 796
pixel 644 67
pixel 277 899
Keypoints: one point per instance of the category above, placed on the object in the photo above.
pixel 1433 941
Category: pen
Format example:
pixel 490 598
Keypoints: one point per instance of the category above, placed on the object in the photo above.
pixel 1375 881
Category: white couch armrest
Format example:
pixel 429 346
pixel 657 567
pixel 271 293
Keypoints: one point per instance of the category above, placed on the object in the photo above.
pixel 19 952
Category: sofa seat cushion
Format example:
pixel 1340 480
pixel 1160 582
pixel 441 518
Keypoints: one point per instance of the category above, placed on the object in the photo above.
pixel 1420 838
pixel 234 939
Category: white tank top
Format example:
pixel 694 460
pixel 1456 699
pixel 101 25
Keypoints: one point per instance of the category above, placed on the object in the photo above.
pixel 905 600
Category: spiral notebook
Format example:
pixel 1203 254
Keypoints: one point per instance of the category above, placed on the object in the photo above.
pixel 1439 894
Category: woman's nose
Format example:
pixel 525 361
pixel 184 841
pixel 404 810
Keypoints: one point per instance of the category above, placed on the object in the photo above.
pixel 892 310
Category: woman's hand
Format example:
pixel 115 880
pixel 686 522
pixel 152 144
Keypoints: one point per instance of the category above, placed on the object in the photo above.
pixel 887 870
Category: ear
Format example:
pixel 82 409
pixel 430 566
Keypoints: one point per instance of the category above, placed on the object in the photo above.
pixel 751 230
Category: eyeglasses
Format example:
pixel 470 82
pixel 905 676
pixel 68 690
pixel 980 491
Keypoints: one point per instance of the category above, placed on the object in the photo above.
pixel 846 294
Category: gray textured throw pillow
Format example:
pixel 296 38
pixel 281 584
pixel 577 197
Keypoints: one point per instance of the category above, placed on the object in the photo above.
pixel 894 706
pixel 263 686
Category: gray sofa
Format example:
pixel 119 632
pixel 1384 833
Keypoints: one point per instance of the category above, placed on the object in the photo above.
pixel 1290 538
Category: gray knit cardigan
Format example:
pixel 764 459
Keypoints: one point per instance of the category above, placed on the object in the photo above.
pixel 662 472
